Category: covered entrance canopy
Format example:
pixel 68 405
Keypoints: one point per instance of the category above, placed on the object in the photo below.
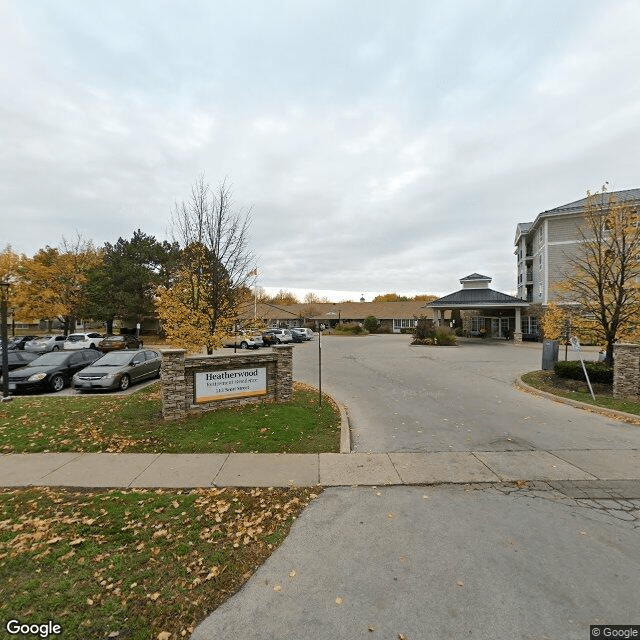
pixel 501 310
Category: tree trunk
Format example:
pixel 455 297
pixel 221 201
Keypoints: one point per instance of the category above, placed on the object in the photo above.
pixel 608 359
pixel 110 326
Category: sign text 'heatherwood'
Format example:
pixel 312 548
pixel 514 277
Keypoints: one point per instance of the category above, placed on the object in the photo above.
pixel 232 383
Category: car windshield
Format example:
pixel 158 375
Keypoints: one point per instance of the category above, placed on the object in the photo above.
pixel 44 338
pixel 114 339
pixel 53 358
pixel 75 337
pixel 115 359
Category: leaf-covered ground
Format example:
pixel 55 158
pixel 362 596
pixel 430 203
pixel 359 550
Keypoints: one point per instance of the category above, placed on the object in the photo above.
pixel 135 565
pixel 134 424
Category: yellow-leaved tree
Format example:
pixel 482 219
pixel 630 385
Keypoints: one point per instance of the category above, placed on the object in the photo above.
pixel 601 283
pixel 199 306
pixel 52 283
pixel 9 272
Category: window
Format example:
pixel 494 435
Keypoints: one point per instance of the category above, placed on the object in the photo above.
pixel 403 323
pixel 540 236
pixel 540 260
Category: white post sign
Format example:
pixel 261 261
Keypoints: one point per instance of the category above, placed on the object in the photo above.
pixel 232 383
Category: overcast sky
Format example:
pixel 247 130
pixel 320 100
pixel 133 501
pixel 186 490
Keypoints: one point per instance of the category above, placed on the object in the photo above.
pixel 382 146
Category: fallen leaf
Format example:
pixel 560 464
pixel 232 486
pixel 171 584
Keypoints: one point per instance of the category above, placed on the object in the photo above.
pixel 76 542
pixel 154 596
pixel 89 601
pixel 164 635
pixel 401 637
pixel 372 628
pixel 390 515
pixel 338 600
pixel 292 574
pixel 277 588
pixel 460 583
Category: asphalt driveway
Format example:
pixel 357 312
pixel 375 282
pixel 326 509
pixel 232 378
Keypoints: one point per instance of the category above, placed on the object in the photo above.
pixel 403 398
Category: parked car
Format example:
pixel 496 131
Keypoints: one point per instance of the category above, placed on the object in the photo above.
pixel 45 343
pixel 50 371
pixel 297 336
pixel 18 343
pixel 83 341
pixel 278 336
pixel 118 370
pixel 307 333
pixel 18 359
pixel 244 340
pixel 115 343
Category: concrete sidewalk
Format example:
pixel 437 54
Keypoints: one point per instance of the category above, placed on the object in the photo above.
pixel 130 470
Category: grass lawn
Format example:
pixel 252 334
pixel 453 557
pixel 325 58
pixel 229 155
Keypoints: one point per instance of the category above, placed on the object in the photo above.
pixel 134 565
pixel 134 424
pixel 578 390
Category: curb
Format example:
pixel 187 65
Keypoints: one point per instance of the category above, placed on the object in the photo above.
pixel 629 418
pixel 345 427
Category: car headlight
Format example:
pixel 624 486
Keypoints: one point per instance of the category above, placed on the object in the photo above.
pixel 36 377
pixel 109 376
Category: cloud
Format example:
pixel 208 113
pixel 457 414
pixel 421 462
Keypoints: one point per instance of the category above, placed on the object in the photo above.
pixel 380 147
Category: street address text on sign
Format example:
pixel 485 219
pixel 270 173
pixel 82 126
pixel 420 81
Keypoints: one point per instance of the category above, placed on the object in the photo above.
pixel 232 383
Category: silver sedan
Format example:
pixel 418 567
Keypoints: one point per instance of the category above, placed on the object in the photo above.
pixel 118 370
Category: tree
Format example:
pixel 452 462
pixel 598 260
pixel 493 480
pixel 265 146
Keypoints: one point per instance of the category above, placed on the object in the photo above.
pixel 199 305
pixel 601 280
pixel 53 281
pixel 9 272
pixel 284 297
pixel 390 297
pixel 314 298
pixel 124 284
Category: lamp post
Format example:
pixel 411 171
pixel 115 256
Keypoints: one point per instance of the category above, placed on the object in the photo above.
pixel 4 297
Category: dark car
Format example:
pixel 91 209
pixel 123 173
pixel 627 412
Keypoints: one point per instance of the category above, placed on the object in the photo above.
pixel 118 369
pixel 17 343
pixel 117 343
pixel 298 335
pixel 51 371
pixel 19 359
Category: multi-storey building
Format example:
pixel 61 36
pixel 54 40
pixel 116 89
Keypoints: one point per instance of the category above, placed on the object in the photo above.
pixel 542 246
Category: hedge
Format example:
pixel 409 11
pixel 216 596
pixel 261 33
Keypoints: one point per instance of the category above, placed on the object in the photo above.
pixel 598 371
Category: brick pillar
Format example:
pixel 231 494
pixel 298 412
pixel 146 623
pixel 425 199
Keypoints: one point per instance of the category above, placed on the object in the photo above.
pixel 626 371
pixel 284 372
pixel 174 404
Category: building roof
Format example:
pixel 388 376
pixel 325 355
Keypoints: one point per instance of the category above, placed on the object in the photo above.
pixel 328 311
pixel 475 276
pixel 628 195
pixel 473 298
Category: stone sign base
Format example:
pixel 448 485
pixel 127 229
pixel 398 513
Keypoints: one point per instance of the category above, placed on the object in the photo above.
pixel 179 395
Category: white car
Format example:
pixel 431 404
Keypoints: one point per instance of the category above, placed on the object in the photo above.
pixel 244 340
pixel 45 344
pixel 279 336
pixel 83 341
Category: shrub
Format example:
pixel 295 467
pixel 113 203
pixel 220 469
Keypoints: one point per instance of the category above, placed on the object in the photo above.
pixel 371 324
pixel 348 327
pixel 430 335
pixel 598 371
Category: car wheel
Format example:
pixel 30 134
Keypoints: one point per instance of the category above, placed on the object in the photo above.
pixel 93 346
pixel 244 345
pixel 57 383
pixel 55 348
pixel 124 383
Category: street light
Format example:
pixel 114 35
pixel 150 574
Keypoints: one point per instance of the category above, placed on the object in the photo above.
pixel 4 297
